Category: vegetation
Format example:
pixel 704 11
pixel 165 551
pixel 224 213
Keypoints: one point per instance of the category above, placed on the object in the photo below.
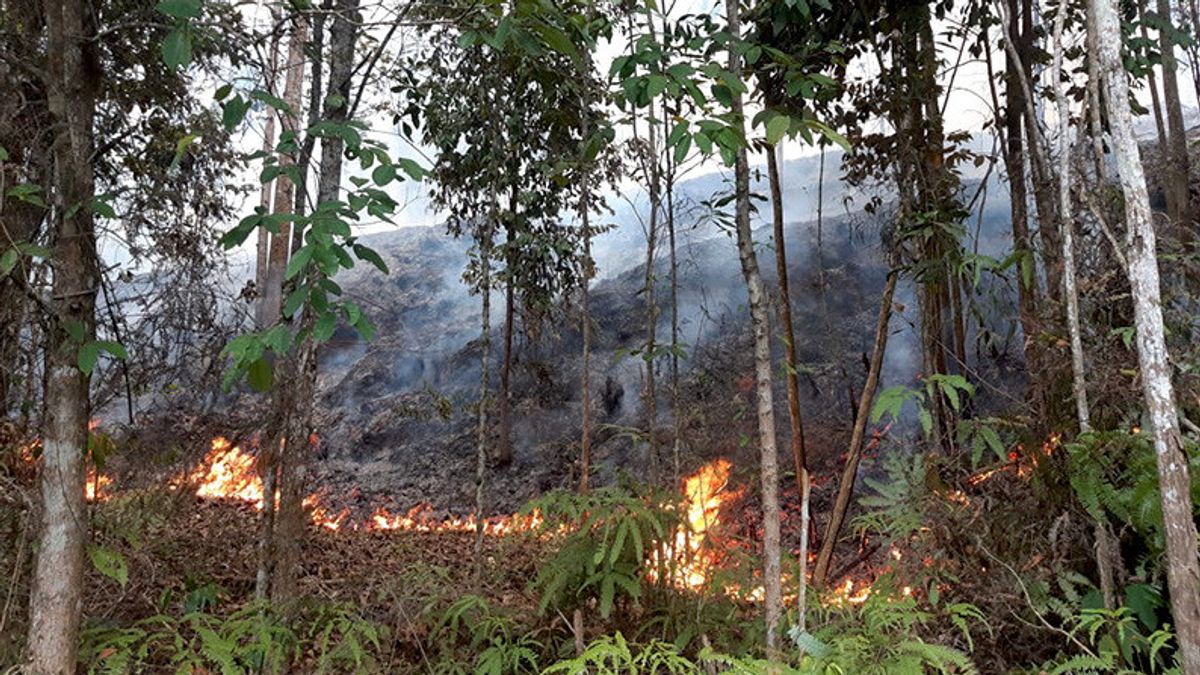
pixel 199 241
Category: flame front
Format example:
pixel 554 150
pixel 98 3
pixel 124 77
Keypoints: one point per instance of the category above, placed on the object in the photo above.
pixel 704 494
pixel 228 473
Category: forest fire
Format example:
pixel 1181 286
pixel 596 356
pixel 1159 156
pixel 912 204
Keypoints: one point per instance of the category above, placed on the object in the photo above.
pixel 228 473
pixel 705 493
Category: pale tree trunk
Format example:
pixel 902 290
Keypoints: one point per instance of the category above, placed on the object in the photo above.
pixel 504 451
pixel 585 398
pixel 1095 108
pixel 772 599
pixel 55 603
pixel 270 310
pixel 1105 547
pixel 1152 82
pixel 676 413
pixel 1183 568
pixel 272 300
pixel 1175 152
pixel 650 392
pixel 299 443
pixel 263 247
pixel 485 348
pixel 1070 285
pixel 585 375
pixel 795 421
pixel 854 452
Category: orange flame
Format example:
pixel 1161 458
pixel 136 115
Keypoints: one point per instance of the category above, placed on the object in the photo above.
pixel 228 473
pixel 704 494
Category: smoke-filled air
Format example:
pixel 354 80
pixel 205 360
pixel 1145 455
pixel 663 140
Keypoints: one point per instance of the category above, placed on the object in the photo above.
pixel 583 337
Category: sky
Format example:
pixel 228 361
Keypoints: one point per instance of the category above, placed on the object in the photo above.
pixel 967 107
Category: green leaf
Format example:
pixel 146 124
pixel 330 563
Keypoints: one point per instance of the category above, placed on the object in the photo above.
pixel 383 174
pixel 8 261
pixel 115 349
pixel 368 254
pixel 299 261
pixel 88 355
pixel 177 48
pixel 260 375
pixel 233 112
pixel 777 128
pixel 109 563
pixel 179 9
pixel 3 154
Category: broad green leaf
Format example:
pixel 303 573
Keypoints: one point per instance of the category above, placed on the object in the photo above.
pixel 179 9
pixel 110 563
pixel 777 128
pixel 260 375
pixel 177 48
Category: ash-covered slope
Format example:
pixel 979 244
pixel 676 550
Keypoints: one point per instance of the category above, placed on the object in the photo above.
pixel 400 410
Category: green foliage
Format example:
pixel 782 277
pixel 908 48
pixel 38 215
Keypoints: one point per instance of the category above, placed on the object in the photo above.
pixel 491 636
pixel 250 640
pixel 606 536
pixel 1115 641
pixel 954 388
pixel 1114 475
pixel 895 509
pixel 882 635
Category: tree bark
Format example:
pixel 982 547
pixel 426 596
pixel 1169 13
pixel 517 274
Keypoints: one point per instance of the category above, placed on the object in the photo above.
pixel 504 450
pixel 772 600
pixel 481 455
pixel 57 596
pixel 1183 568
pixel 854 452
pixel 272 298
pixel 585 388
pixel 263 246
pixel 795 420
pixel 1175 152
pixel 1065 216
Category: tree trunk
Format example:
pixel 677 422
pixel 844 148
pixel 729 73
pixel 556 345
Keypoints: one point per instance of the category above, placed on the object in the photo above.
pixel 1152 82
pixel 272 293
pixel 1070 286
pixel 796 422
pixel 1175 152
pixel 263 247
pixel 772 600
pixel 1183 568
pixel 676 413
pixel 57 596
pixel 585 388
pixel 504 450
pixel 650 392
pixel 854 452
pixel 481 455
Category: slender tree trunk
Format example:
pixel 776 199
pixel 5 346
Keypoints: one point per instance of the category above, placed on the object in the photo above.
pixel 650 393
pixel 481 455
pixel 504 450
pixel 854 452
pixel 772 601
pixel 1095 107
pixel 1070 286
pixel 272 299
pixel 55 603
pixel 263 246
pixel 1183 568
pixel 1152 81
pixel 676 413
pixel 1176 151
pixel 585 384
pixel 796 422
